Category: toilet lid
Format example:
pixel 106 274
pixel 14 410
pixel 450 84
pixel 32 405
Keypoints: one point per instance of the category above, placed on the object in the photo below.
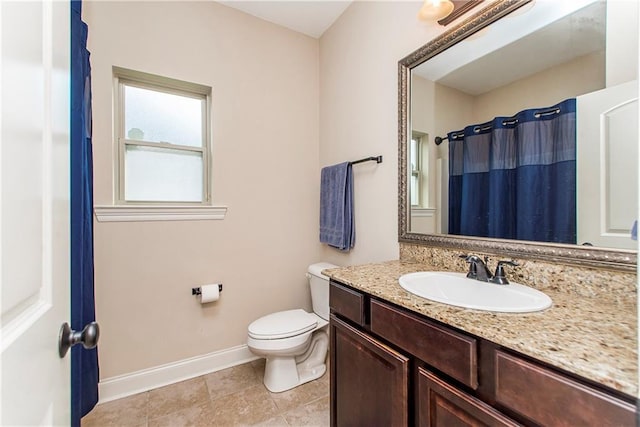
pixel 283 324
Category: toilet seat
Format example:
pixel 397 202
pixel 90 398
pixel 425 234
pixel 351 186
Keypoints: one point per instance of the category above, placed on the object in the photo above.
pixel 283 324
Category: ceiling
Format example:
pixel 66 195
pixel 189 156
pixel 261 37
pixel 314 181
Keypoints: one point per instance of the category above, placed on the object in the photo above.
pixel 470 69
pixel 310 17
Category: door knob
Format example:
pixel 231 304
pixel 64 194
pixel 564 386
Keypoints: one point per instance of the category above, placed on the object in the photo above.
pixel 68 337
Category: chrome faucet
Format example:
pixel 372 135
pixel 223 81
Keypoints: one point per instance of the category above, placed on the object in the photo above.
pixel 478 270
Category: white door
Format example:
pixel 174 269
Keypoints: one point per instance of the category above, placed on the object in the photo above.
pixel 607 168
pixel 34 211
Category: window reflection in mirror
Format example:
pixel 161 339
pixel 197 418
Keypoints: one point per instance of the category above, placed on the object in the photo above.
pixel 418 192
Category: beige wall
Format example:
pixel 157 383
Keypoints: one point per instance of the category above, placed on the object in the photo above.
pixel 359 58
pixel 576 77
pixel 265 169
pixel 622 41
pixel 438 109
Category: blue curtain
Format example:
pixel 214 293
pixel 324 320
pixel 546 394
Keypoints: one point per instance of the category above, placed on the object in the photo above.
pixel 515 177
pixel 84 363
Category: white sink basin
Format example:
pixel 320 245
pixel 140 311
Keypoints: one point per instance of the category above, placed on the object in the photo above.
pixel 456 289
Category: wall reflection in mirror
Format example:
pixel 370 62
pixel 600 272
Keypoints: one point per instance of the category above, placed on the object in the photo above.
pixel 537 127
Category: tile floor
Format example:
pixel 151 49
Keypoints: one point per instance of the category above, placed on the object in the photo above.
pixel 231 397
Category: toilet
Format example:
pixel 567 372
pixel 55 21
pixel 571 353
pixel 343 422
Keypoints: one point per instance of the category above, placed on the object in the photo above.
pixel 294 342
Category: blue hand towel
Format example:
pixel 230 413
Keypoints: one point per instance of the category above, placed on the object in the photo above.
pixel 337 227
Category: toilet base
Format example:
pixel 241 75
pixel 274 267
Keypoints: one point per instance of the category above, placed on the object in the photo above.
pixel 284 373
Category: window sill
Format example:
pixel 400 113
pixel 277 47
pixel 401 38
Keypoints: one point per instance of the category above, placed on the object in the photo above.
pixel 426 212
pixel 159 213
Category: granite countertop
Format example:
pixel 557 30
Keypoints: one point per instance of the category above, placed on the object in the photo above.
pixel 595 338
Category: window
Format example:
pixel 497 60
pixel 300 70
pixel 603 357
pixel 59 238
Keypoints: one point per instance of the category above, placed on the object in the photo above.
pixel 416 161
pixel 163 132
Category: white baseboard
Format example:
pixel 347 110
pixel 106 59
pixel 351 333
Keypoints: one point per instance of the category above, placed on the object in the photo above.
pixel 148 379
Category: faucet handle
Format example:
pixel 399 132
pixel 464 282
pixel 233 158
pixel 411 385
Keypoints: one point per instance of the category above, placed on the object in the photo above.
pixel 499 277
pixel 471 258
pixel 473 265
pixel 510 262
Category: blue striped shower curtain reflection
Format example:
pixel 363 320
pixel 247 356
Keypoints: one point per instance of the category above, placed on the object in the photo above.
pixel 515 177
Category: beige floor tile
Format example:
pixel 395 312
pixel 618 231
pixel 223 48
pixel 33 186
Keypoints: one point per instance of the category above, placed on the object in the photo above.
pixel 232 380
pixel 328 363
pixel 278 421
pixel 233 397
pixel 315 414
pixel 128 412
pixel 258 367
pixel 250 406
pixel 300 395
pixel 325 377
pixel 195 416
pixel 176 397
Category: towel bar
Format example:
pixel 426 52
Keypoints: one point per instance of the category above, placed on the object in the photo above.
pixel 378 159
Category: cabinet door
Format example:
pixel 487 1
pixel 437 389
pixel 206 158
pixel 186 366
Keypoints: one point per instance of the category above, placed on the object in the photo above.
pixel 442 405
pixel 369 380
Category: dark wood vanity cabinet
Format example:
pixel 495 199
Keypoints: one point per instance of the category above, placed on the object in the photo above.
pixel 393 367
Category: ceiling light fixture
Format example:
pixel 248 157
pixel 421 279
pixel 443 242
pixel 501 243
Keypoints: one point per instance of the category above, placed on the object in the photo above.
pixel 445 11
pixel 434 10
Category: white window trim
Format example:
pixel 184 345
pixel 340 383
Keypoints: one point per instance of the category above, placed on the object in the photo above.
pixel 423 212
pixel 131 213
pixel 126 211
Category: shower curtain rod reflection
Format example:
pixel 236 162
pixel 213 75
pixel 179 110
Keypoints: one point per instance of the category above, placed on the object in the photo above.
pixel 510 121
pixel 438 140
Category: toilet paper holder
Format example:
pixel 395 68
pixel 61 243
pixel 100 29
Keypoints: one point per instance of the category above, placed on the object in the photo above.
pixel 198 290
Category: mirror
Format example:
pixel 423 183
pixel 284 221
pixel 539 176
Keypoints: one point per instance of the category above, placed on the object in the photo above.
pixel 456 80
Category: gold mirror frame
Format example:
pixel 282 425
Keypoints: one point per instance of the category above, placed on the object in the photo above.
pixel 624 260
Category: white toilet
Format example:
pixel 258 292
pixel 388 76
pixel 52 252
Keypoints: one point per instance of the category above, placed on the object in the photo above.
pixel 295 342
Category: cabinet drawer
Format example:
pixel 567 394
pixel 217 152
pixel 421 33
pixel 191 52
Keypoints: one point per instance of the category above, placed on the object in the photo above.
pixel 549 398
pixel 448 351
pixel 442 405
pixel 347 303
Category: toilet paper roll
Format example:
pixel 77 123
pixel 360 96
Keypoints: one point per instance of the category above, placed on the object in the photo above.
pixel 209 293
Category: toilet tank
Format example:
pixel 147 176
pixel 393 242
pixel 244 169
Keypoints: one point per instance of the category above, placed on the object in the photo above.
pixel 319 284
